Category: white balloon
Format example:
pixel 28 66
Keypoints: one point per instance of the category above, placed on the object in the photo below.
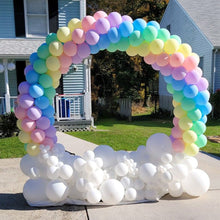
pixel 196 183
pixel 93 196
pixel 66 172
pixel 57 190
pixel 112 191
pixel 26 163
pixel 190 162
pixel 167 177
pixel 125 181
pixel 178 157
pixel 107 154
pixel 175 189
pixel 11 66
pixel 147 171
pixel 130 194
pixel 81 184
pixel 1 68
pixel 34 190
pixel 52 160
pixel 121 169
pixel 78 164
pixel 96 177
pixel 166 158
pixel 90 166
pixel 122 155
pixel 179 171
pixel 151 195
pixel 58 149
pixel 89 186
pixel 99 162
pixel 89 155
pixel 138 184
pixel 53 172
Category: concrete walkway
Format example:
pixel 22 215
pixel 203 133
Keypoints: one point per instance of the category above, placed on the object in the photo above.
pixel 13 205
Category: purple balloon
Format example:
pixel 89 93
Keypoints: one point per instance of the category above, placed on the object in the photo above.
pixel 43 123
pixel 34 113
pixel 127 18
pixel 76 59
pixel 166 70
pixel 179 73
pixel 50 132
pixel 26 101
pixel 83 50
pixel 92 37
pixel 102 26
pixel 115 19
pixel 193 77
pixel 23 87
pixel 155 66
pixel 202 84
pixel 28 68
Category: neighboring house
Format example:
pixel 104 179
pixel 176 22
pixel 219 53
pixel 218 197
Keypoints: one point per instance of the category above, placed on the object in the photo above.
pixel 197 22
pixel 24 24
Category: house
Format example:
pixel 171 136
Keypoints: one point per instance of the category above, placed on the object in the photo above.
pixel 24 24
pixel 197 22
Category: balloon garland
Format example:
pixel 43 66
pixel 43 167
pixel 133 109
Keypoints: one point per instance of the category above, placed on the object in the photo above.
pixel 165 165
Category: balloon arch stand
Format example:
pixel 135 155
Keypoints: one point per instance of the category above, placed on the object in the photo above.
pixel 104 176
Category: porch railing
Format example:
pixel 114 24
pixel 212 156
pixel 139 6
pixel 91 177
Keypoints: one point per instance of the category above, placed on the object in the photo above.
pixel 69 106
pixel 3 105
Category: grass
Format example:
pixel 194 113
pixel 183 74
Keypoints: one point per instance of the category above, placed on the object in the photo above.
pixel 122 135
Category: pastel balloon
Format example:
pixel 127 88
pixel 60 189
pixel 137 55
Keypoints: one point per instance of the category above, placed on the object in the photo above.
pixel 171 46
pixel 36 90
pixel 65 61
pixel 53 63
pixel 63 70
pixel 115 19
pixel 24 137
pixel 192 77
pixel 28 125
pixel 205 109
pixel 202 84
pixel 155 66
pixel 127 18
pixel 45 81
pixel 48 112
pixel 188 104
pixel 100 14
pixel 153 24
pixel 178 96
pixel 56 48
pixel 51 37
pixel 178 85
pixel 33 58
pixel 168 79
pixel 178 145
pixel 150 33
pixel 74 23
pixel 50 93
pixel 48 142
pixel 136 38
pixel 83 50
pixel 194 114
pixel 76 59
pixel 189 136
pixel 162 59
pixel 139 24
pixel 20 112
pixel 179 73
pixel 185 49
pixel 28 68
pixel 104 41
pixel 50 132
pixel 33 150
pixel 131 51
pixel 43 123
pixel 203 119
pixel 185 123
pixel 156 46
pixel 94 49
pixel 201 141
pixel 176 37
pixel 165 70
pixel 64 34
pixel 88 22
pixel 114 35
pixel 190 63
pixel 150 58
pixel 126 28
pixel 92 37
pixel 176 59
pixel 26 101
pixel 43 51
pixel 190 91
pixel 78 36
pixel 37 135
pixel 34 113
pixel 179 112
pixel 203 97
pixel 199 127
pixel 102 26
pixel 32 77
pixel 143 49
pixel 69 48
pixel 40 66
pixel 163 34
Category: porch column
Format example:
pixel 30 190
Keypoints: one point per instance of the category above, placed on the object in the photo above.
pixel 7 91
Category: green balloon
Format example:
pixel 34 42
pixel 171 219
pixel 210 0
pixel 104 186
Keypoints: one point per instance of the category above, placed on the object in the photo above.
pixel 176 37
pixel 43 51
pixel 201 141
pixel 178 96
pixel 170 88
pixel 150 33
pixel 40 66
pixel 136 38
pixel 194 115
pixel 112 47
pixel 45 80
pixel 163 34
pixel 50 93
pixel 188 104
pixel 123 44
pixel 199 127
pixel 50 38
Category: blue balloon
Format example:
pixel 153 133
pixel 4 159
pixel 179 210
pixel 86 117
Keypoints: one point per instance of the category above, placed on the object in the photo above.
pixel 205 109
pixel 94 49
pixel 52 120
pixel 188 104
pixel 42 102
pixel 32 77
pixel 36 90
pixel 126 28
pixel 178 85
pixel 154 24
pixel 202 98
pixel 48 112
pixel 114 35
pixel 139 24
pixel 33 57
pixel 103 42
pixel 203 119
pixel 168 79
pixel 190 91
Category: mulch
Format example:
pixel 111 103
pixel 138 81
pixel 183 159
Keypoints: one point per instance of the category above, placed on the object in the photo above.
pixel 215 139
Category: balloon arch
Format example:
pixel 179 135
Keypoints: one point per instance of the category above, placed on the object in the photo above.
pixel 104 176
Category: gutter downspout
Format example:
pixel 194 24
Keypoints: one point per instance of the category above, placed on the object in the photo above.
pixel 214 70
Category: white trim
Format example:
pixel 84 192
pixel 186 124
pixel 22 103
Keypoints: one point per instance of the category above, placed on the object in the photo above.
pixel 7 90
pixel 82 9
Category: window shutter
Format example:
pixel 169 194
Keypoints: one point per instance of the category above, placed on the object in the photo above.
pixel 53 15
pixel 19 18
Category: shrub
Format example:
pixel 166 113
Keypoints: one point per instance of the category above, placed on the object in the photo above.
pixel 215 101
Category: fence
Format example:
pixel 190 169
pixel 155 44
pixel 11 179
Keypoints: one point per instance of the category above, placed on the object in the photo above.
pixel 125 109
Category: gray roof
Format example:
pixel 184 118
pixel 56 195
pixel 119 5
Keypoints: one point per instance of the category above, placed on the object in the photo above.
pixel 206 15
pixel 19 48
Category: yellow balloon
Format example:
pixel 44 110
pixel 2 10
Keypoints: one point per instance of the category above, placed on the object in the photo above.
pixel 53 63
pixel 143 49
pixel 156 46
pixel 33 149
pixel 74 23
pixel 64 34
pixel 56 48
pixel 56 83
pixel 189 137
pixel 55 75
pixel 191 149
pixel 24 137
pixel 131 51
pixel 175 103
pixel 185 49
pixel 196 56
pixel 19 124
pixel 185 123
pixel 179 112
pixel 171 46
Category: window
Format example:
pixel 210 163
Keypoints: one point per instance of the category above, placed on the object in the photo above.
pixel 201 63
pixel 169 27
pixel 36 18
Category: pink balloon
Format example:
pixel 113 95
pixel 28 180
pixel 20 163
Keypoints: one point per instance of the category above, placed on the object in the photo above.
pixel 176 59
pixel 190 63
pixel 102 26
pixel 199 71
pixel 48 142
pixel 179 73
pixel 28 125
pixel 100 14
pixel 150 58
pixel 78 36
pixel 92 37
pixel 69 48
pixel 20 112
pixel 115 19
pixel 54 139
pixel 178 145
pixel 26 101
pixel 162 59
pixel 28 68
pixel 176 121
pixel 88 23
pixel 65 60
pixel 64 70
pixel 127 18
pixel 76 59
pixel 192 77
pixel 34 113
pixel 166 70
pixel 155 66
pixel 37 135
pixel 83 50
pixel 23 87
pixel 43 123
pixel 176 132
pixel 51 131
pixel 202 84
